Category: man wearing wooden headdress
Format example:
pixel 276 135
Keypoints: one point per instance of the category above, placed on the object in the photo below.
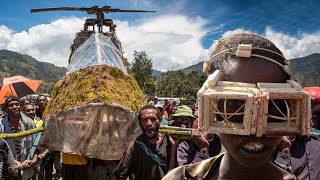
pixel 250 101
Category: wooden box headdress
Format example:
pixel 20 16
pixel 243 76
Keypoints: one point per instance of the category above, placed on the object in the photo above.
pixel 270 109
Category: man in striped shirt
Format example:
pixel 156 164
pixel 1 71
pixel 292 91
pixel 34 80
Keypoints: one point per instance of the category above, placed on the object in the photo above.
pixel 13 122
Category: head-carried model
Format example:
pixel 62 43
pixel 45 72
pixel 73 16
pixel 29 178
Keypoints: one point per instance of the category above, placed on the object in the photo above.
pixel 270 109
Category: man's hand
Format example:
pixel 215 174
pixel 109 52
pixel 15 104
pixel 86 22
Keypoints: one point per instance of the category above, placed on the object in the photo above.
pixel 23 165
pixel 32 163
pixel 198 138
pixel 285 145
pixel 174 146
pixel 173 141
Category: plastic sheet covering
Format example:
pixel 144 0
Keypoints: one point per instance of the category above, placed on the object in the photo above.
pixel 98 49
pixel 95 130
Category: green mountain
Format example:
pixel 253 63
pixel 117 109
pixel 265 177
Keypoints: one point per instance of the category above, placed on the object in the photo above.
pixel 13 63
pixel 155 73
pixel 197 67
pixel 305 70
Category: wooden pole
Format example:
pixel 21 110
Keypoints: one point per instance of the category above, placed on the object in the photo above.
pixel 21 134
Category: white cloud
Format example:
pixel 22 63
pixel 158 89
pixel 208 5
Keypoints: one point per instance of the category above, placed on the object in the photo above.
pixel 294 47
pixel 172 41
pixel 5 36
pixel 45 42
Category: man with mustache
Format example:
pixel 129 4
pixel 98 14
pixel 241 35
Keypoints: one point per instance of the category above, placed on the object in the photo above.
pixel 152 154
pixel 244 61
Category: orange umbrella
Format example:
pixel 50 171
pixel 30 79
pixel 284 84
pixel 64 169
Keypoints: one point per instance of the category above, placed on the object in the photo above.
pixel 19 86
pixel 313 91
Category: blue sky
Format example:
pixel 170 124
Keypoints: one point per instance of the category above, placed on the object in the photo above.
pixel 183 24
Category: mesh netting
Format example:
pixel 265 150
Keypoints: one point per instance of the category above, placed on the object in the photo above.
pixel 96 130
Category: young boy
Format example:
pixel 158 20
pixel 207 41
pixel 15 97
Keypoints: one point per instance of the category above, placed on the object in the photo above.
pixel 247 147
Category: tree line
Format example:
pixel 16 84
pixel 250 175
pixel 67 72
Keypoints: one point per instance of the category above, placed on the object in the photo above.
pixel 167 84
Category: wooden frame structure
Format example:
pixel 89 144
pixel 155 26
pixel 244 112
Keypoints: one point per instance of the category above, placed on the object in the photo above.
pixel 257 98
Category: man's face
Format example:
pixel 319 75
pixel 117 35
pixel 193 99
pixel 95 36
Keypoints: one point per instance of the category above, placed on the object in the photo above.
pixel 252 151
pixel 42 102
pixel 184 121
pixel 30 110
pixel 13 108
pixel 149 123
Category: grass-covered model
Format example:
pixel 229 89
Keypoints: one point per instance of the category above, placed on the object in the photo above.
pixel 93 108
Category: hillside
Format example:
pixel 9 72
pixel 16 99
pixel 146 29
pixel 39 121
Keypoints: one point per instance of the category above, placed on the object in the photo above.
pixel 13 63
pixel 305 70
pixel 197 67
pixel 155 73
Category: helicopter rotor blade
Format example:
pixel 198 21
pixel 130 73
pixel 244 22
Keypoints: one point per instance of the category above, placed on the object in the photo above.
pixel 123 10
pixel 60 9
pixel 91 10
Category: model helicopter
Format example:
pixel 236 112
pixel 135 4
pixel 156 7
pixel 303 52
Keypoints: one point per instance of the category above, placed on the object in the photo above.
pixel 103 94
pixel 100 21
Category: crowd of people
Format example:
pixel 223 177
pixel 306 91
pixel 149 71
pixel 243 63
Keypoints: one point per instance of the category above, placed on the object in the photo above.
pixel 153 155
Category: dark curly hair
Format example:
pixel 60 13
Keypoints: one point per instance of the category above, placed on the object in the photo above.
pixel 149 107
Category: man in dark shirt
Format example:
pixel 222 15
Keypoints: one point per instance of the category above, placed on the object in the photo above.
pixel 195 149
pixel 46 168
pixel 303 159
pixel 152 154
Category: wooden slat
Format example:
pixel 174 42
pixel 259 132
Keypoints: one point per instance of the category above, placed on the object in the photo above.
pixel 233 95
pixel 294 84
pixel 237 84
pixel 274 85
pixel 206 112
pixel 248 114
pixel 200 111
pixel 286 95
pixel 224 130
